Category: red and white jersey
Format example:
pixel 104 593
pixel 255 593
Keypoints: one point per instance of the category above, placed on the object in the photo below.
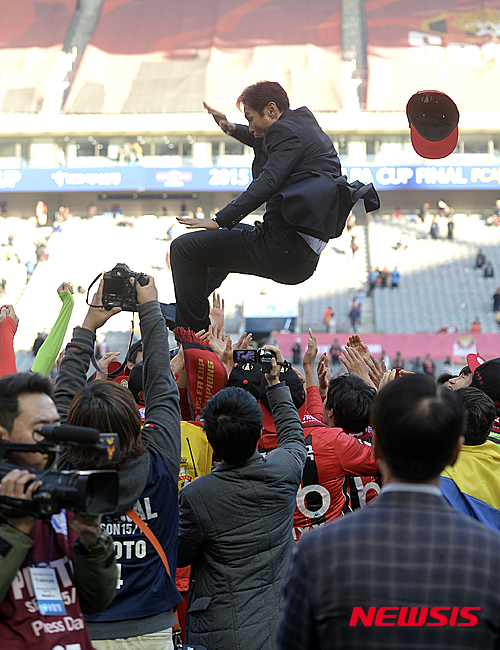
pixel 339 474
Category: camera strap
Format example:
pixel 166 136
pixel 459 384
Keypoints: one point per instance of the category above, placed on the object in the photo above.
pixel 119 370
pixel 142 525
pixel 88 293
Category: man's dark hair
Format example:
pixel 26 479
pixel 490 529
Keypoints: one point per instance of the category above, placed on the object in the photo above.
pixel 465 372
pixel 417 424
pixel 232 420
pixel 481 413
pixel 444 377
pixel 260 94
pixel 22 383
pixel 350 398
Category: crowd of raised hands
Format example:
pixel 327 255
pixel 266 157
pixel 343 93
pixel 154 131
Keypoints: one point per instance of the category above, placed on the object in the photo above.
pixel 356 356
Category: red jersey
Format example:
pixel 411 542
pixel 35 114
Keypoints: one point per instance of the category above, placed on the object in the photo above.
pixel 339 473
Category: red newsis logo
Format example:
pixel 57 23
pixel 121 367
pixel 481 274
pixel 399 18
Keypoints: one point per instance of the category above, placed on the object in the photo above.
pixel 414 616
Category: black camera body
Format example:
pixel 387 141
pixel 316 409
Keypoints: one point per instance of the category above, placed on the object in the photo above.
pixel 260 356
pixel 118 291
pixel 264 359
pixel 90 492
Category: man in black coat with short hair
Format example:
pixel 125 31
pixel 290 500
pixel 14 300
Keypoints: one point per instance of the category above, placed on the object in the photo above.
pixel 297 175
pixel 409 571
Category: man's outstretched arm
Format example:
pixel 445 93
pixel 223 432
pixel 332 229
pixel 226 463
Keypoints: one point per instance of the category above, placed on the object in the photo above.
pixel 285 415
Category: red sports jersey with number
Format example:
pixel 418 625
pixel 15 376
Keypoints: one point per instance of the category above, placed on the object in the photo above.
pixel 339 474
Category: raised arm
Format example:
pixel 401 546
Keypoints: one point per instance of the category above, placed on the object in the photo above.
pixel 47 354
pixel 284 151
pixel 308 360
pixel 162 427
pixel 8 328
pixel 285 415
pixel 72 373
pixel 238 131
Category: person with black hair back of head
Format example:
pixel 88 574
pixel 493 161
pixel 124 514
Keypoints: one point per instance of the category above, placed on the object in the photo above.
pixel 409 571
pixel 484 375
pixel 347 406
pixel 236 523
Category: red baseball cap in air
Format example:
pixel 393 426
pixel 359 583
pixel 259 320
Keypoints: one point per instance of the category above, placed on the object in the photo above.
pixel 433 119
pixel 474 360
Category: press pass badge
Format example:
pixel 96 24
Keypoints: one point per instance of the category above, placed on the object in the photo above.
pixel 47 591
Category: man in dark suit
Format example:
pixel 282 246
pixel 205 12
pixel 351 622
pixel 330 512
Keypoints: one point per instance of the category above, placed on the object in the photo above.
pixel 297 175
pixel 408 571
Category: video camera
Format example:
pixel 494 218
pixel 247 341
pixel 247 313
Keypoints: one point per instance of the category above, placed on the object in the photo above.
pixel 89 492
pixel 117 290
pixel 260 356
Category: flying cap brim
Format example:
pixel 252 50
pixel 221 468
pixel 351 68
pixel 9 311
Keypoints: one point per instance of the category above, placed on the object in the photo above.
pixel 433 119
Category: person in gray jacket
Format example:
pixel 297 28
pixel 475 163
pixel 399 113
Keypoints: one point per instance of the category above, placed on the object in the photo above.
pixel 235 526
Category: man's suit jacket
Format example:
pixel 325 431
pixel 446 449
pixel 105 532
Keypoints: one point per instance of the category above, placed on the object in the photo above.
pixel 297 168
pixel 406 550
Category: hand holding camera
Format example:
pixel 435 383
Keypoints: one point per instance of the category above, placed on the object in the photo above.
pixel 96 316
pixel 26 495
pixel 145 292
pixel 272 363
pixel 13 484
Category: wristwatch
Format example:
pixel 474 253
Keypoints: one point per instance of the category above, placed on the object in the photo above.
pixel 102 543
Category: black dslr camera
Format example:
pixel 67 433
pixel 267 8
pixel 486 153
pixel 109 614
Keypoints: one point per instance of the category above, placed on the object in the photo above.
pixel 90 492
pixel 117 290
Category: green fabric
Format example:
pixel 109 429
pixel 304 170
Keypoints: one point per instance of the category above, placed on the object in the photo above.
pixel 47 354
pixel 11 559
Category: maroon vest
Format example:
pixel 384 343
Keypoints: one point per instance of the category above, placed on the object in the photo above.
pixel 22 627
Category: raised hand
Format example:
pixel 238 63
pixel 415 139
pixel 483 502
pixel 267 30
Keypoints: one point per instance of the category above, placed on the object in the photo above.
pixel 96 315
pixel 311 352
pixel 355 341
pixel 104 363
pixel 8 310
pixel 273 377
pixel 217 311
pixel 65 286
pixel 220 119
pixel 324 374
pixel 355 364
pixel 376 370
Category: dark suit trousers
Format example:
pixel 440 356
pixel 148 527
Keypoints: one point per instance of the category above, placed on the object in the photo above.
pixel 201 261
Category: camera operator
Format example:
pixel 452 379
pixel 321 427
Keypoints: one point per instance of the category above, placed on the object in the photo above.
pixel 148 468
pixel 56 544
